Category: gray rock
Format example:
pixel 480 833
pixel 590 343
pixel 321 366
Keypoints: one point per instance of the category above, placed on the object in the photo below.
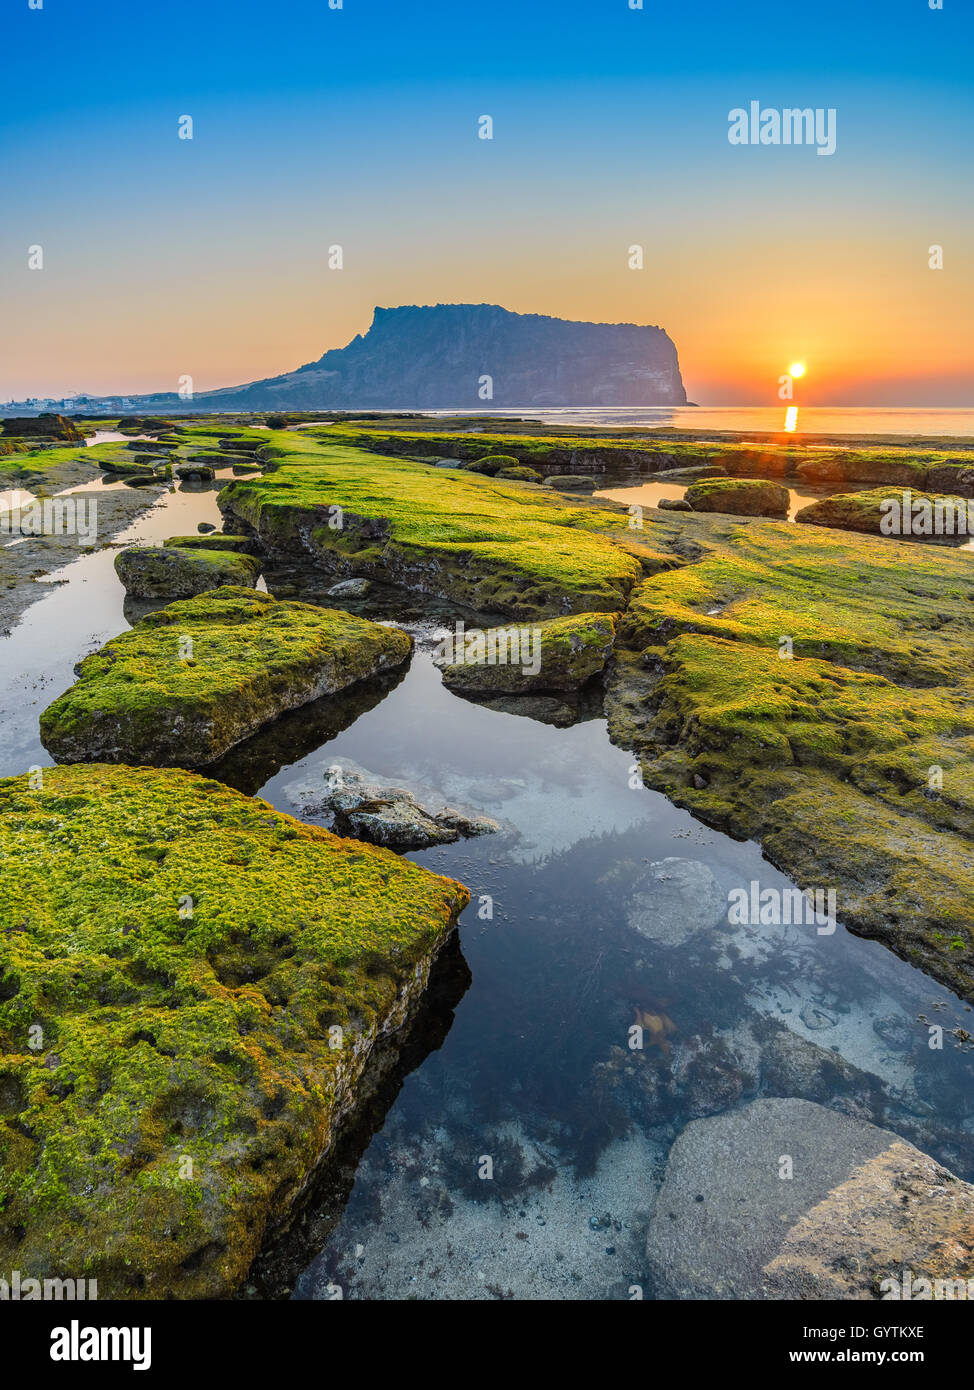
pixel 677 899
pixel 727 1225
pixel 674 504
pixel 382 814
pixel 205 528
pixel 350 588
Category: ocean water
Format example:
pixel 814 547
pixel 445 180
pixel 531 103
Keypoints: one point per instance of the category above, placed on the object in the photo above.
pixel 912 423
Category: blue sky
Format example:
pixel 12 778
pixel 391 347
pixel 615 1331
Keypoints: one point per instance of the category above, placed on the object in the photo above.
pixel 358 126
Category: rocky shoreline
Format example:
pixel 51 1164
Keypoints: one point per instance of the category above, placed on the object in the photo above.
pixel 809 639
pixel 216 988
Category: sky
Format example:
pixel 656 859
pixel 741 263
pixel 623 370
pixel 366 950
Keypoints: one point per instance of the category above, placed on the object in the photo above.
pixel 313 127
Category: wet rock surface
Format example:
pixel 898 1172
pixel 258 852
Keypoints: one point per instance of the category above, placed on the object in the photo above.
pixel 678 899
pixel 381 813
pixel 350 588
pixel 784 1198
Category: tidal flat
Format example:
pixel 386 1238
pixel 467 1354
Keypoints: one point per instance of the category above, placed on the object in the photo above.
pixel 773 704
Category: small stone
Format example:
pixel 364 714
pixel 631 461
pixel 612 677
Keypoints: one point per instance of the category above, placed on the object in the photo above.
pixel 350 588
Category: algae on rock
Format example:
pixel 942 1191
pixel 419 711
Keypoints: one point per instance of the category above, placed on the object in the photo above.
pixel 903 513
pixel 210 978
pixel 741 496
pixel 491 545
pixel 558 654
pixel 816 691
pixel 195 678
pixel 171 571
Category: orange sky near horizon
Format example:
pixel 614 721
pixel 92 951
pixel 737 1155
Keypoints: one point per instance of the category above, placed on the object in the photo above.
pixel 738 322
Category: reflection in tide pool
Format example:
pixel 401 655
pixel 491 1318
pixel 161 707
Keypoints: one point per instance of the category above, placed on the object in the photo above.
pixel 600 905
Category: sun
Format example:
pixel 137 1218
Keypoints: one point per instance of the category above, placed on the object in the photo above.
pixel 796 369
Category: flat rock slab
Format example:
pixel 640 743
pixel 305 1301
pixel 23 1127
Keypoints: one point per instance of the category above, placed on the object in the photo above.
pixel 172 571
pixel 212 540
pixel 678 899
pixel 190 681
pixel 558 654
pixel 210 977
pixel 859 1205
pixel 350 588
pixel 490 545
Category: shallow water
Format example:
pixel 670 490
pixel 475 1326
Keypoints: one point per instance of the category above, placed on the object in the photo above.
pixel 912 423
pixel 636 492
pixel 82 609
pixel 537 1072
pixel 538 1054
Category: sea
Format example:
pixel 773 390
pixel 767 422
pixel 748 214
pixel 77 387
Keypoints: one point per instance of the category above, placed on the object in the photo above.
pixel 912 422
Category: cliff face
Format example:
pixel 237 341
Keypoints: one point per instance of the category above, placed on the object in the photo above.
pixel 417 357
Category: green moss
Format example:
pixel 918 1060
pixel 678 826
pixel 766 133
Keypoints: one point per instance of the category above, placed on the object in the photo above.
pixel 742 496
pixel 217 540
pixel 182 571
pixel 491 544
pixel 876 510
pixel 654 450
pixel 560 654
pixel 183 951
pixel 195 678
pixel 520 475
pixel 813 690
pixel 491 464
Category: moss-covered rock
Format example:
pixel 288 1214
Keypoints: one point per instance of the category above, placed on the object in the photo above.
pixel 195 678
pixel 172 571
pixel 560 654
pixel 520 475
pixel 893 512
pixel 213 540
pixel 491 545
pixel 133 465
pixel 740 496
pixel 816 691
pixel 191 988
pixel 491 464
